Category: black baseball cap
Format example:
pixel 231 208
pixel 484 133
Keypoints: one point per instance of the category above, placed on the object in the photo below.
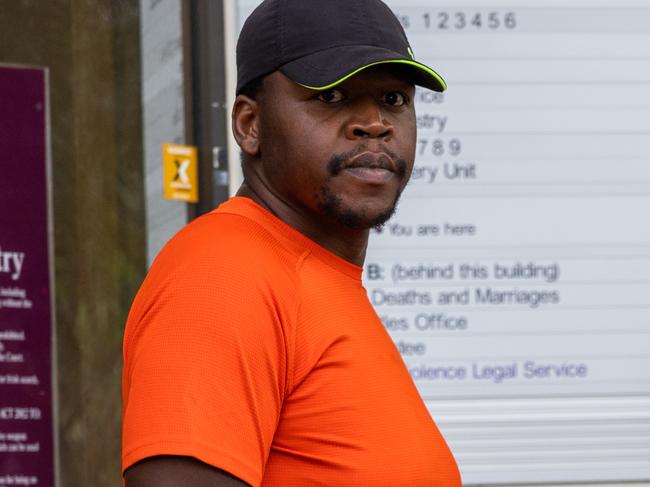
pixel 321 43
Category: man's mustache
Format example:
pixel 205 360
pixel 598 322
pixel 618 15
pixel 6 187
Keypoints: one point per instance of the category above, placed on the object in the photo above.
pixel 338 162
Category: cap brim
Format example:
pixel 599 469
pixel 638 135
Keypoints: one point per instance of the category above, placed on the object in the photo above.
pixel 326 69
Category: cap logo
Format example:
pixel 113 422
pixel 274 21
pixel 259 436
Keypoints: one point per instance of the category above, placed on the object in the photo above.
pixel 411 53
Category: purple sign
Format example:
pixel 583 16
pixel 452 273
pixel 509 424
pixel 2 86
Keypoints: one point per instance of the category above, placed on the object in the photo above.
pixel 26 425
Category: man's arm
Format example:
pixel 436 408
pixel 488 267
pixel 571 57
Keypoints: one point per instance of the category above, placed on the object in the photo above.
pixel 173 471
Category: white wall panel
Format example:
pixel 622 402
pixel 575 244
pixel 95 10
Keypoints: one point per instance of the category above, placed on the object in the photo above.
pixel 515 275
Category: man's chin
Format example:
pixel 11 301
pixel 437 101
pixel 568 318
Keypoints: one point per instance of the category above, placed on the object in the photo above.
pixel 355 218
pixel 362 221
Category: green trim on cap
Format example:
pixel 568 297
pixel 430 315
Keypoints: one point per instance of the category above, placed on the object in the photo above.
pixel 424 68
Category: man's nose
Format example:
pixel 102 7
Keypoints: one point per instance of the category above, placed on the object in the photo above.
pixel 367 120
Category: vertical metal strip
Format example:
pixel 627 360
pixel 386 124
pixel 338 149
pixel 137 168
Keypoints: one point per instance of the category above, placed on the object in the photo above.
pixel 187 8
pixel 230 43
pixel 54 370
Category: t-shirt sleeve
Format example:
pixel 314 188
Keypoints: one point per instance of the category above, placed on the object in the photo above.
pixel 205 361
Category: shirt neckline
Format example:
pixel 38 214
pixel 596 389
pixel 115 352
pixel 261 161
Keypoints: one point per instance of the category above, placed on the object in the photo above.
pixel 245 206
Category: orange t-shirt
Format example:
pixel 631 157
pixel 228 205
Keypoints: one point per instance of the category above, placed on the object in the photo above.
pixel 255 350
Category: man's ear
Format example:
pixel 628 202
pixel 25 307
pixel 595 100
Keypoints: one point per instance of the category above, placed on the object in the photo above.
pixel 245 125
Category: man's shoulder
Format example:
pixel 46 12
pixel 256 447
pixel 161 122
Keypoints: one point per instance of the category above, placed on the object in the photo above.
pixel 211 267
pixel 221 245
pixel 221 229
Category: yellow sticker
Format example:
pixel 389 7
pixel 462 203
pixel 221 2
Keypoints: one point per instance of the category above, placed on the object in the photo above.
pixel 180 170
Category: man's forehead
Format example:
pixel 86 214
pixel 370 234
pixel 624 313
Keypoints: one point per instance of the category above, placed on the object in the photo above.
pixel 388 73
pixel 381 78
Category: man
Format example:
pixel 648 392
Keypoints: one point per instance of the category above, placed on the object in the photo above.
pixel 252 354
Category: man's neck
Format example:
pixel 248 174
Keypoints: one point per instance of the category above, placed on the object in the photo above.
pixel 349 244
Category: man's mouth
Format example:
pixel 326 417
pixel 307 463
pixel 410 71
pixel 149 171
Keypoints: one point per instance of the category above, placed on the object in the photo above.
pixel 371 167
pixel 371 160
pixel 368 165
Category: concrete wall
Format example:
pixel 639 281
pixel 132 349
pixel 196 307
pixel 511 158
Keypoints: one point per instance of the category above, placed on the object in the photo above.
pixel 164 112
pixel 91 48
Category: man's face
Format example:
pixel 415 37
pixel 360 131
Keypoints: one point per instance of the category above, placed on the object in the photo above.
pixel 343 154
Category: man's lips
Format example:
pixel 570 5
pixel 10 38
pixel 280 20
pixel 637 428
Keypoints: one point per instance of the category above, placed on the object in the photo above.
pixel 372 160
pixel 371 167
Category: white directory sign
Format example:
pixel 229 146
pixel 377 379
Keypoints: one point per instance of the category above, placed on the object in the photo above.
pixel 515 276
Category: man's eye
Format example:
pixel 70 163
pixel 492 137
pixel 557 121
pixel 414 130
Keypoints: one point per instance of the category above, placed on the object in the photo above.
pixel 330 96
pixel 395 99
